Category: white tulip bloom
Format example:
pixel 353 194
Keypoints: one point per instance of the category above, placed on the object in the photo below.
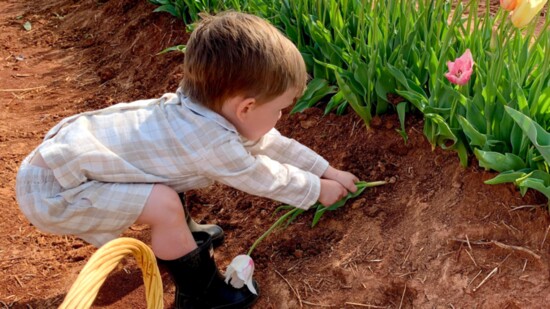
pixel 240 272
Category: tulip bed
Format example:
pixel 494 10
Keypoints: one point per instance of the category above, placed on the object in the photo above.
pixel 493 101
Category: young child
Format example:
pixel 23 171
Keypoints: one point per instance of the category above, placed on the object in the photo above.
pixel 97 173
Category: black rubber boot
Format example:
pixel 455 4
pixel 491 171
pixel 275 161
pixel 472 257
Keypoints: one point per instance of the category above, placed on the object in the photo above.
pixel 199 284
pixel 215 231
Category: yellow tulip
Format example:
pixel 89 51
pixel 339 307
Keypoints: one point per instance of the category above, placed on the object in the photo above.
pixel 509 5
pixel 525 11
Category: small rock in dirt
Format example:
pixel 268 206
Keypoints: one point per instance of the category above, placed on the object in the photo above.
pixel 399 148
pixel 372 211
pixel 376 121
pixel 106 74
pixel 358 203
pixel 76 258
pixel 77 245
pixel 88 42
pixel 309 123
pixel 399 247
pixel 381 166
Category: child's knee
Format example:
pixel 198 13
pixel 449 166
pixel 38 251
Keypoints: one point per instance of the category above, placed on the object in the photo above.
pixel 163 206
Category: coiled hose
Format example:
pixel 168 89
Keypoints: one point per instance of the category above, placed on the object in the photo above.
pixel 84 290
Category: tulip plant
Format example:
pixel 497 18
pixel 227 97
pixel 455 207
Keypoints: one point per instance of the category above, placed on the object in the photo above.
pixel 468 74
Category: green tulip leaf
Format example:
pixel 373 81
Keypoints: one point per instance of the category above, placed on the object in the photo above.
pixel 505 177
pixel 499 162
pixel 536 184
pixel 538 136
pixel 476 138
pixel 317 89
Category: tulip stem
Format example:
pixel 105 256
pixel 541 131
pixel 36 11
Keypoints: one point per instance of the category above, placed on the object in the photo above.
pixel 276 224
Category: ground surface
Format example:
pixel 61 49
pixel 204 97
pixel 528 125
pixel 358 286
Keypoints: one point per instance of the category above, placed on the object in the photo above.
pixel 396 246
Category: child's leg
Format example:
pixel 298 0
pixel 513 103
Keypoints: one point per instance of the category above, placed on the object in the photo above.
pixel 198 281
pixel 170 235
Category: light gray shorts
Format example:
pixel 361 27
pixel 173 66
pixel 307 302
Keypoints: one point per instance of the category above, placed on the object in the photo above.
pixel 95 211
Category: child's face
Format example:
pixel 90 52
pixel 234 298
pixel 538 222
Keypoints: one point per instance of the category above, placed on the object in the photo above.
pixel 262 118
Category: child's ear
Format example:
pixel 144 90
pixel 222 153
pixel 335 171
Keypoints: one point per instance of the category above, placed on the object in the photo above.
pixel 244 107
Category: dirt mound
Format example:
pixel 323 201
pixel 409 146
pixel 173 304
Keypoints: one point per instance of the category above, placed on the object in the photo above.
pixel 435 237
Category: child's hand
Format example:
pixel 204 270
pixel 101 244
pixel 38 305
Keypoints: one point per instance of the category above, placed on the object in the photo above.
pixel 346 179
pixel 331 192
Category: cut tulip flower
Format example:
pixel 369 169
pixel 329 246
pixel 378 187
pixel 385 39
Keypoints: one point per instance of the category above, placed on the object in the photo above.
pixel 240 271
pixel 461 69
pixel 525 11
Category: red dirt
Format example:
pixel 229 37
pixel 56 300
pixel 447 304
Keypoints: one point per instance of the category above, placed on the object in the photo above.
pixel 393 247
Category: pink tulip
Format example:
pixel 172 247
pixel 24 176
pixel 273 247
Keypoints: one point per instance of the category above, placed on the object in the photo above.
pixel 240 271
pixel 461 69
pixel 509 5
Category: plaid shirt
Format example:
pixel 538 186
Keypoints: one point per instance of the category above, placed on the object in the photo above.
pixel 184 145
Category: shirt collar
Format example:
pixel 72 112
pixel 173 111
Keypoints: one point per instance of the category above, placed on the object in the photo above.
pixel 205 112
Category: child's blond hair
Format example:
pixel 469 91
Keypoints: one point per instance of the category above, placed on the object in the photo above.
pixel 236 54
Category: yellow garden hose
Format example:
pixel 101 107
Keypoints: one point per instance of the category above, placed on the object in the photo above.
pixel 103 261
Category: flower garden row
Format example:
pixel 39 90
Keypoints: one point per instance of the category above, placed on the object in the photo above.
pixel 493 101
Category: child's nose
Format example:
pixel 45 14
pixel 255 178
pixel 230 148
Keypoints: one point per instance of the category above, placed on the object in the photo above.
pixel 280 115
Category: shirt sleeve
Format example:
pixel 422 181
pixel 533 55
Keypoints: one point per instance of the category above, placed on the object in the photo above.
pixel 288 151
pixel 230 163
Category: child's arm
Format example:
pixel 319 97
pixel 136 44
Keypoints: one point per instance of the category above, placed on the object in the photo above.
pixel 258 173
pixel 288 151
pixel 228 162
pixel 335 183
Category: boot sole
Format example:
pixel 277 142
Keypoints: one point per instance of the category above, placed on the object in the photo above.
pixel 242 305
